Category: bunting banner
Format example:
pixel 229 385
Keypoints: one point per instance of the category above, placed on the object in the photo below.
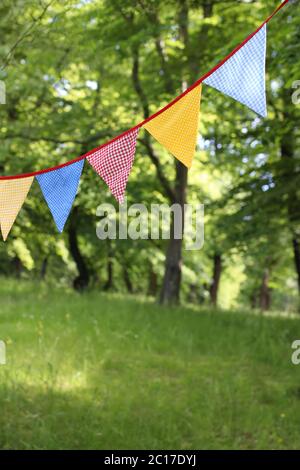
pixel 12 196
pixel 113 163
pixel 240 75
pixel 177 127
pixel 59 188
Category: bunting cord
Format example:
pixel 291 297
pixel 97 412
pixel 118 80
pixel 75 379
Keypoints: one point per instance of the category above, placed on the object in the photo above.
pixel 171 103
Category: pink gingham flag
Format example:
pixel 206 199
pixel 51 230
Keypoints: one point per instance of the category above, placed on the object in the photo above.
pixel 114 161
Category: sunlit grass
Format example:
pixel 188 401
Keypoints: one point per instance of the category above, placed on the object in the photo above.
pixel 106 371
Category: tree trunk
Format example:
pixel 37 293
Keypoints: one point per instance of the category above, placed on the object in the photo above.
pixel 297 259
pixel 127 280
pixel 44 268
pixel 288 149
pixel 253 300
pixel 264 296
pixel 17 266
pixel 110 278
pixel 172 278
pixel 81 282
pixel 214 288
pixel 152 283
pixel 109 285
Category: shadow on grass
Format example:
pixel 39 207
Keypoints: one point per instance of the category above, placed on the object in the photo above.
pixel 33 418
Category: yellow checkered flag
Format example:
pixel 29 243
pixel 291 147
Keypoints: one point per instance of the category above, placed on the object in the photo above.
pixel 177 127
pixel 12 196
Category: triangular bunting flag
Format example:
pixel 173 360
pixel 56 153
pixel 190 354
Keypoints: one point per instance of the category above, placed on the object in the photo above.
pixel 242 76
pixel 177 127
pixel 12 196
pixel 59 188
pixel 114 161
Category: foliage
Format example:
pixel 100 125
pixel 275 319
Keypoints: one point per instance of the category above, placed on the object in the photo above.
pixel 68 69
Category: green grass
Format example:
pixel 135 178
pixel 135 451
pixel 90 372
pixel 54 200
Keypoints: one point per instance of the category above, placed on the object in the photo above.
pixel 99 371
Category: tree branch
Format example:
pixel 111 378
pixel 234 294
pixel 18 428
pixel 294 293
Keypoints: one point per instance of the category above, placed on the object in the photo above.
pixel 160 174
pixel 159 45
pixel 24 35
pixel 146 141
pixel 137 83
pixel 99 135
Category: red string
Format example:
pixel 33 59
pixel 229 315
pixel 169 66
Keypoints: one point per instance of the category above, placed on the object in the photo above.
pixel 179 97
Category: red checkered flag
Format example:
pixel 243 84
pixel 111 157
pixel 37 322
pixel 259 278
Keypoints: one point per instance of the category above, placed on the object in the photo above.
pixel 113 162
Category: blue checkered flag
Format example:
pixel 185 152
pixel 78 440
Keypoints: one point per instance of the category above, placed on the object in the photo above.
pixel 242 76
pixel 59 188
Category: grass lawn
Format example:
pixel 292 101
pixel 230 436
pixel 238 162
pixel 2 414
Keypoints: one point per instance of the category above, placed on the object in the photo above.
pixel 98 371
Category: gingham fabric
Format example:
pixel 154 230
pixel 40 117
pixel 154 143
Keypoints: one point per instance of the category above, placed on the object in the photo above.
pixel 59 188
pixel 114 162
pixel 12 197
pixel 177 127
pixel 243 75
